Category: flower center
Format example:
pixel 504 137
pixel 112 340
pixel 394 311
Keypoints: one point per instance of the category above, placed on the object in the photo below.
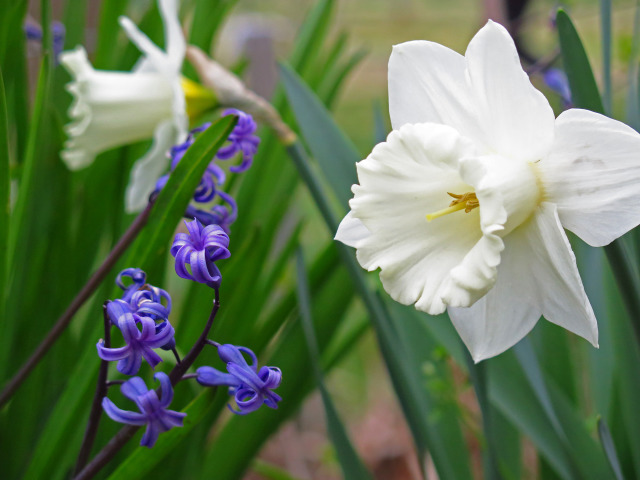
pixel 466 201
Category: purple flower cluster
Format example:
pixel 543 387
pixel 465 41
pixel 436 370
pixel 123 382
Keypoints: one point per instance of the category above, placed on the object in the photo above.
pixel 33 31
pixel 200 249
pixel 154 411
pixel 140 306
pixel 250 387
pixel 242 140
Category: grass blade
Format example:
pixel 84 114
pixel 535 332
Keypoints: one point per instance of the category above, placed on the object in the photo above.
pixel 350 462
pixel 609 448
pixel 5 191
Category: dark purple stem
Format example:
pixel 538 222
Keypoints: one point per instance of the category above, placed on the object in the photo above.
pixel 175 354
pixel 77 302
pixel 96 407
pixel 124 435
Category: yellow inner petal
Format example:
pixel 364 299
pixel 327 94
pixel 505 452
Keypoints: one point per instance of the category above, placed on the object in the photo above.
pixel 466 201
pixel 198 98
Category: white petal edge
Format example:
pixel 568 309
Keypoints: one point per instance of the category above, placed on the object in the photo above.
pixel 351 231
pixel 517 118
pixel 78 65
pixel 538 276
pixel 150 167
pixel 593 175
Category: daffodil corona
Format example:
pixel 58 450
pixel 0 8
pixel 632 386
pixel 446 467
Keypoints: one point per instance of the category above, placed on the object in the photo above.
pixel 475 130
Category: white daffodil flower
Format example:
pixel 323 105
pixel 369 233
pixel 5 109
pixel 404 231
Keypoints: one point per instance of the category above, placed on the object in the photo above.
pixel 112 109
pixel 463 207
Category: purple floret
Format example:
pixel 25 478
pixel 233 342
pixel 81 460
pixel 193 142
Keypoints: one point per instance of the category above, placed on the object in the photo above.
pixel 200 249
pixel 250 387
pixel 154 411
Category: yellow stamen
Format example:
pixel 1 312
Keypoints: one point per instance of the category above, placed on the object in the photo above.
pixel 199 99
pixel 466 201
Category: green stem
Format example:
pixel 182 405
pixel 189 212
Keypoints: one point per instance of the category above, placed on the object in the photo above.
pixel 627 282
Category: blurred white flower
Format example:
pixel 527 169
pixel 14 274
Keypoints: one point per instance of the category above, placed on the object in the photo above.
pixel 477 150
pixel 112 109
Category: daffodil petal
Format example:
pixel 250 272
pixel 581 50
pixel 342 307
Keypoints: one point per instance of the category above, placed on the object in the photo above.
pixel 592 175
pixel 403 180
pixel 174 38
pixel 537 276
pixel 151 51
pixel 517 118
pixel 427 83
pixel 150 167
pixel 547 251
pixel 351 231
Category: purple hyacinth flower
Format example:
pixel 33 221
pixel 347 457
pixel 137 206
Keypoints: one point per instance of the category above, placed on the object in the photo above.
pixel 557 81
pixel 200 249
pixel 154 411
pixel 242 140
pixel 33 32
pixel 139 343
pixel 250 387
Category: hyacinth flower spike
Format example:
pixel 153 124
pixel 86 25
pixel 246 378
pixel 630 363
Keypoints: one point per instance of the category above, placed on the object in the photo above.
pixel 154 411
pixel 200 249
pixel 463 207
pixel 139 343
pixel 250 387
pixel 112 109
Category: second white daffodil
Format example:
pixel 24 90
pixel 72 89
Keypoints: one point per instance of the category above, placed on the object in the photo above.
pixel 112 109
pixel 463 207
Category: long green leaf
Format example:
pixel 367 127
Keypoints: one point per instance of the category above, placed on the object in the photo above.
pixel 333 150
pixel 584 90
pixel 605 25
pixel 5 192
pixel 350 462
pixel 609 448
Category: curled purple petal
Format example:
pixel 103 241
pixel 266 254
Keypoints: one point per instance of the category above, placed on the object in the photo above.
pixel 122 416
pixel 166 390
pixel 153 411
pixel 211 377
pixel 251 388
pixel 242 140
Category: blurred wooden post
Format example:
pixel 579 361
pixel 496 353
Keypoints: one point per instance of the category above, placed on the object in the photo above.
pixel 262 74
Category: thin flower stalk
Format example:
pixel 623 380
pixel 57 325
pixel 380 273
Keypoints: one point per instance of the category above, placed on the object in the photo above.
pixel 96 406
pixel 83 295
